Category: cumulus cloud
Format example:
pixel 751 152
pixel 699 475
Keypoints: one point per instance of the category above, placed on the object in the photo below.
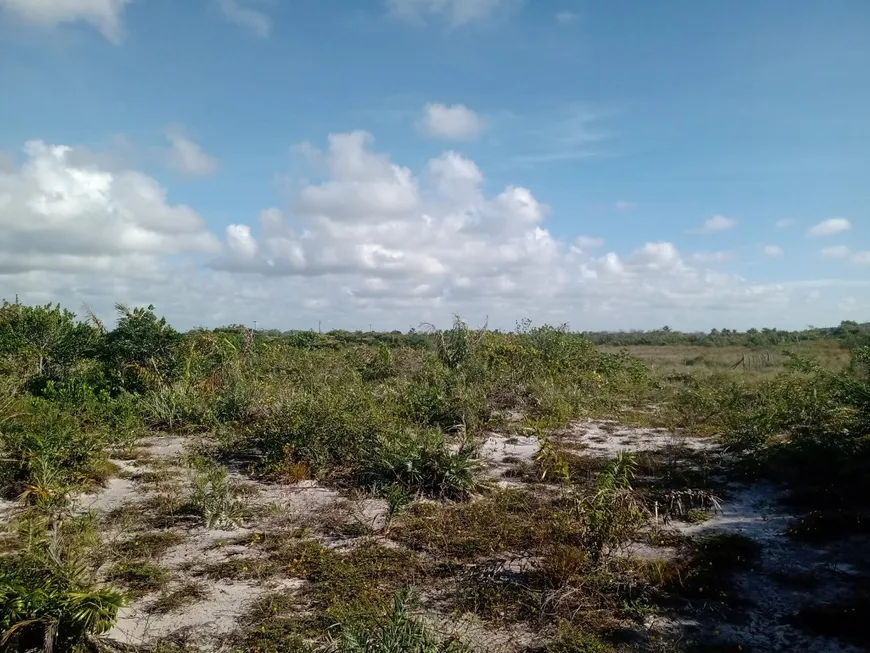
pixel 105 15
pixel 841 252
pixel 455 12
pixel 238 12
pixel 717 223
pixel 456 122
pixel 588 242
pixel 830 227
pixel 785 223
pixel 773 251
pixel 395 240
pixel 368 241
pixel 712 257
pixel 60 215
pixel 187 158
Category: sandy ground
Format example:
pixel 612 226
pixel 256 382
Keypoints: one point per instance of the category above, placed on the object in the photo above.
pixel 750 510
pixel 753 511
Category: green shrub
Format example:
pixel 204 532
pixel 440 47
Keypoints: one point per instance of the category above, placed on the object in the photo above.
pixel 142 350
pixel 48 601
pixel 422 463
pixel 331 428
pixel 397 632
pixel 215 498
pixel 46 454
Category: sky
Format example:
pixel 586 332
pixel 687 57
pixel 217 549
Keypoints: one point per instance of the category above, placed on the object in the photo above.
pixel 380 163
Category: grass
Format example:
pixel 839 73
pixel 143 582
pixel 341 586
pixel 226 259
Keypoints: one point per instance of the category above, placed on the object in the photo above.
pixel 178 599
pixel 146 545
pixel 398 417
pixel 140 577
pixel 707 568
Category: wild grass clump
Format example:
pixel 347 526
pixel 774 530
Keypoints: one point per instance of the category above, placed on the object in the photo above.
pixel 397 632
pixel 46 454
pixel 424 464
pixel 215 497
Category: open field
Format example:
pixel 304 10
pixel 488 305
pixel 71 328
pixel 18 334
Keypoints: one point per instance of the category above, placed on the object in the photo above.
pixel 757 360
pixel 452 490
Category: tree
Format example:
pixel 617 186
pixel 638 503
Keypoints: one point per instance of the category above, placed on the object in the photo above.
pixel 47 336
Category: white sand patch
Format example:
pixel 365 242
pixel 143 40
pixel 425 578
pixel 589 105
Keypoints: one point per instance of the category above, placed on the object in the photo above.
pixel 6 509
pixel 211 619
pixel 606 439
pixel 116 493
pixel 500 453
pixel 164 446
pixel 753 511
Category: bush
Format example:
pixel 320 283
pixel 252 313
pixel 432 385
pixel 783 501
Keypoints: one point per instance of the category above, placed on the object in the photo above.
pixel 398 632
pixel 48 602
pixel 331 428
pixel 422 463
pixel 46 453
pixel 142 350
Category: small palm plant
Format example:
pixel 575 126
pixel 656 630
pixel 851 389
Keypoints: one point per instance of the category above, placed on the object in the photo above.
pixel 215 498
pixel 48 601
pixel 613 513
pixel 399 632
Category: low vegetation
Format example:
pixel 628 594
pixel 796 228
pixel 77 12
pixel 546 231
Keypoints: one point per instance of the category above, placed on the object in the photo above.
pixel 402 427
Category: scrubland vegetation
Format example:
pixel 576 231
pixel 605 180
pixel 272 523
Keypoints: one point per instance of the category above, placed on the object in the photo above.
pixel 449 489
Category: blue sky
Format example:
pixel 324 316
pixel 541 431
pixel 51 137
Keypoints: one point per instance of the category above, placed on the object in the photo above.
pixel 629 124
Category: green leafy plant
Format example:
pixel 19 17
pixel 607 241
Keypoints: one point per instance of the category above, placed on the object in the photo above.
pixel 423 463
pixel 215 498
pixel 48 600
pixel 398 632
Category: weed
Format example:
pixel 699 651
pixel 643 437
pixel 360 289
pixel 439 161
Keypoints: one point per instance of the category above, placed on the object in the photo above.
pixel 147 545
pixel 397 631
pixel 139 576
pixel 174 600
pixel 215 497
pixel 571 639
pixel 424 464
pixel 47 596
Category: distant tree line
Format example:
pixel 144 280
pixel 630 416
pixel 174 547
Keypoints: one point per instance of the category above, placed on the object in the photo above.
pixel 851 334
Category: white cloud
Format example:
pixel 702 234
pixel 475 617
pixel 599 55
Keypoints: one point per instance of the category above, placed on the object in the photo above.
pixel 785 223
pixel 836 251
pixel 372 242
pixel 566 17
pixel 56 215
pixel 718 223
pixel 105 15
pixel 861 258
pixel 456 122
pixel 624 205
pixel 773 251
pixel 237 11
pixel 830 227
pixel 712 257
pixel 393 240
pixel 588 242
pixel 841 252
pixel 455 12
pixel 188 158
